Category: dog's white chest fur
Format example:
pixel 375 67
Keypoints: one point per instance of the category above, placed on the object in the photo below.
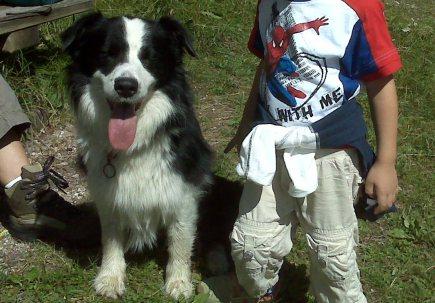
pixel 144 193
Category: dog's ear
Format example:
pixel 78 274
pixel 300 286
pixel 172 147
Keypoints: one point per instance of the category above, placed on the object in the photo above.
pixel 72 37
pixel 179 33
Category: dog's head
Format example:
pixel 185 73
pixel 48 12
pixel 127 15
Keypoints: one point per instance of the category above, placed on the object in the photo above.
pixel 127 58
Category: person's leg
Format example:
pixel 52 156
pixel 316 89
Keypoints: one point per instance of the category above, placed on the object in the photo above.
pixel 261 236
pixel 12 156
pixel 327 217
pixel 13 122
pixel 19 203
pixel 27 204
pixel 260 240
pixel 13 205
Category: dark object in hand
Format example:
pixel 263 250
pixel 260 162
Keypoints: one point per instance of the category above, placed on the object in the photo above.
pixel 365 209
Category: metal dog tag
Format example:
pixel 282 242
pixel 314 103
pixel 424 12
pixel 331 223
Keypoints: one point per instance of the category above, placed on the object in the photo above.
pixel 109 171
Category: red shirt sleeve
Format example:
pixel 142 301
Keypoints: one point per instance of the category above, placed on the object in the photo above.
pixel 384 54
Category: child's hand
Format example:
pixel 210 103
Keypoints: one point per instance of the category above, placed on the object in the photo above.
pixel 381 184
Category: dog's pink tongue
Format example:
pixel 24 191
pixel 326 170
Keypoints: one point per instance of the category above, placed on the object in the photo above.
pixel 122 126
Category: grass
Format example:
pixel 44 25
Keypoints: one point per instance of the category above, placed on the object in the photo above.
pixel 396 256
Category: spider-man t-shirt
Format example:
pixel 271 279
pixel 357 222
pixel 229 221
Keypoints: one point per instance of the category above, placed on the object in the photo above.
pixel 316 52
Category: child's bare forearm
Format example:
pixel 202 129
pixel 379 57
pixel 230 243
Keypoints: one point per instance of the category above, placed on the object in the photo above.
pixel 384 110
pixel 381 180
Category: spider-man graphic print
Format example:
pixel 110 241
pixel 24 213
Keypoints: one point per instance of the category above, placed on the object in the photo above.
pixel 278 63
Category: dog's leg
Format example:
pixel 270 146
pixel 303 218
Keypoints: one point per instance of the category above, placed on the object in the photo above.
pixel 110 279
pixel 181 234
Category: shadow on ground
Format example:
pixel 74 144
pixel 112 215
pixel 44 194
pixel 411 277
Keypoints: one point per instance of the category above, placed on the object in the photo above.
pixel 218 211
pixel 30 58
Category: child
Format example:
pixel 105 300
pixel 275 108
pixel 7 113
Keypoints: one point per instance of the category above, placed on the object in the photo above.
pixel 314 54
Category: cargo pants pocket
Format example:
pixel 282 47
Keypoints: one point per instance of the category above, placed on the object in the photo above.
pixel 334 270
pixel 334 256
pixel 258 250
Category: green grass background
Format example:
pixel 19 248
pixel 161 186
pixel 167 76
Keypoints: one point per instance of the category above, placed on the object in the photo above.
pixel 396 256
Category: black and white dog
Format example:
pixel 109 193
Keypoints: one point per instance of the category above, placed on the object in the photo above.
pixel 147 162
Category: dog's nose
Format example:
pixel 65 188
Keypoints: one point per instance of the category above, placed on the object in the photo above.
pixel 126 87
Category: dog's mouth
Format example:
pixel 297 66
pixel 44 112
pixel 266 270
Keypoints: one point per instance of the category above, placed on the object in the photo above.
pixel 122 124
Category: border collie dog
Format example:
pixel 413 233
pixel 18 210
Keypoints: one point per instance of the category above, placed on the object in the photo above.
pixel 146 160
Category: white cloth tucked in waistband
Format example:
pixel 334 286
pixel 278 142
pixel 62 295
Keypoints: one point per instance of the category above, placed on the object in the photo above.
pixel 258 158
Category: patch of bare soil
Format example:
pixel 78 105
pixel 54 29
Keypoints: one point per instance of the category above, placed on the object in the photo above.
pixel 60 141
pixel 214 119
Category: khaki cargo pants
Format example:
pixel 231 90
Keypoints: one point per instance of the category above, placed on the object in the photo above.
pixel 11 114
pixel 268 216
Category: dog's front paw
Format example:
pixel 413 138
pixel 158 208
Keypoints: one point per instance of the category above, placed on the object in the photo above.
pixel 110 285
pixel 178 288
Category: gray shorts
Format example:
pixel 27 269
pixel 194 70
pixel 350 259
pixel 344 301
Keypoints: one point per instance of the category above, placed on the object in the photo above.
pixel 11 113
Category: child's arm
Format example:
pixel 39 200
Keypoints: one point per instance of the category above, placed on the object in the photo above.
pixel 248 113
pixel 381 182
